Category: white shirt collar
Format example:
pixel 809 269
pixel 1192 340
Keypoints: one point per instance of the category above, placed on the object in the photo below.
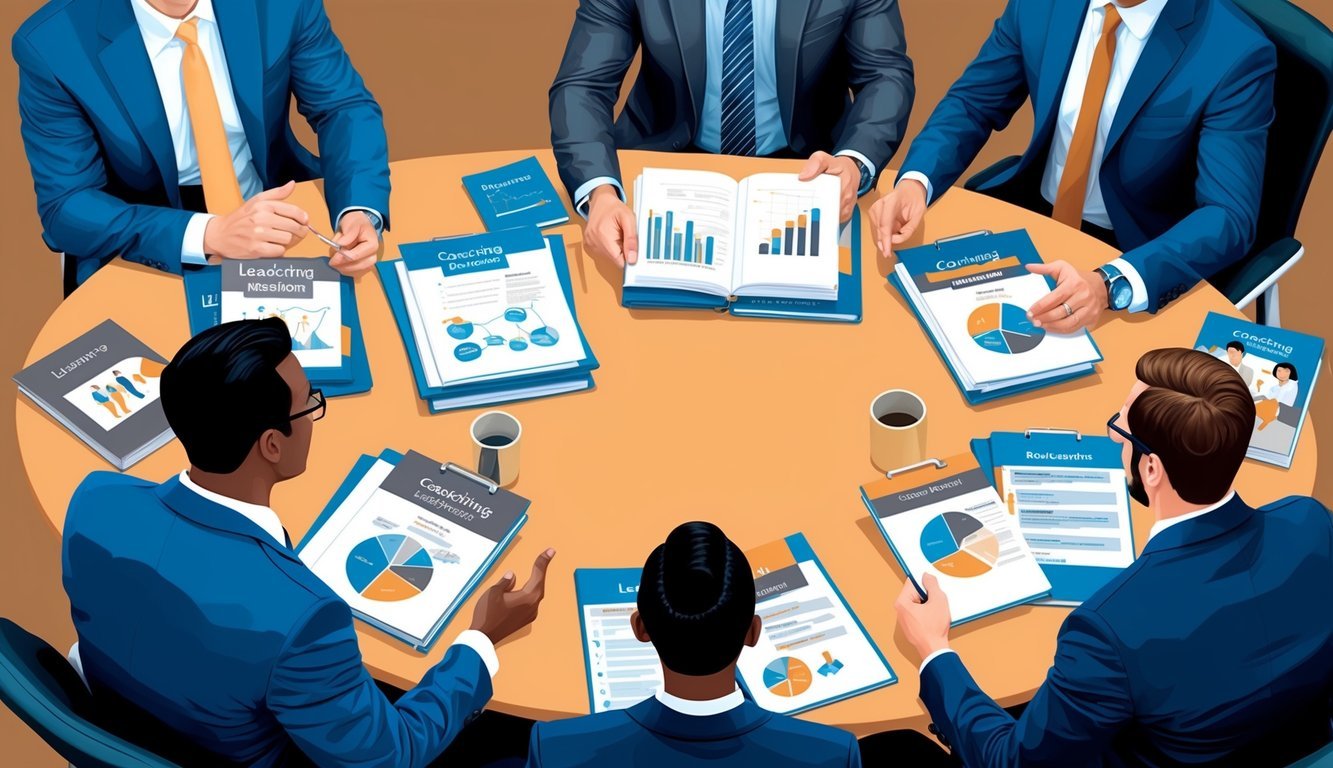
pixel 263 517
pixel 701 708
pixel 1162 525
pixel 159 29
pixel 1140 19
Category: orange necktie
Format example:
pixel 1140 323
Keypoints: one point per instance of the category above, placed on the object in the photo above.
pixel 1073 189
pixel 222 191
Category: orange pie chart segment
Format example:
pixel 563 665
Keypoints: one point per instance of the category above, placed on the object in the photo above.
pixel 389 587
pixel 787 676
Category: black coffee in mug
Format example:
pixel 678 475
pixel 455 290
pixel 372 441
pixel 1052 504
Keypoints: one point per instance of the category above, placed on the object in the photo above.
pixel 496 441
pixel 897 419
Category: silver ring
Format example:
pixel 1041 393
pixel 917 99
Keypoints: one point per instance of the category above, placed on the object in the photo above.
pixel 1068 312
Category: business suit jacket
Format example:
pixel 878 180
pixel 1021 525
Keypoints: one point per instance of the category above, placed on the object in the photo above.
pixel 97 138
pixel 1215 645
pixel 199 629
pixel 824 49
pixel 650 735
pixel 1184 162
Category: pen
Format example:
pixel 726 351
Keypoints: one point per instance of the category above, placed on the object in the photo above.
pixel 917 587
pixel 325 240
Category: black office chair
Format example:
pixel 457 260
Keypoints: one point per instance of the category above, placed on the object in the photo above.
pixel 40 686
pixel 1303 96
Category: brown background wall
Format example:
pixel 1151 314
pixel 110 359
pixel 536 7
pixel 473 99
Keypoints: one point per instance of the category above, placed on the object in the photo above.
pixel 460 76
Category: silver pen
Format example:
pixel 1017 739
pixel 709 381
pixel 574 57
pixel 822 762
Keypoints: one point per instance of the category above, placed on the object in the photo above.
pixel 325 240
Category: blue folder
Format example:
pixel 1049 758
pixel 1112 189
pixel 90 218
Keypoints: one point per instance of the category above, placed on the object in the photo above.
pixel 515 195
pixel 845 309
pixel 203 304
pixel 363 465
pixel 1070 584
pixel 579 378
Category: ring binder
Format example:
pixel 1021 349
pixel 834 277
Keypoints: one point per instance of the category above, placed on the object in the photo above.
pixel 962 236
pixel 937 463
pixel 1027 433
pixel 449 466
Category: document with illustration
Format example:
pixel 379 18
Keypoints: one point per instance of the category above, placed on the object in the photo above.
pixel 306 294
pixel 767 235
pixel 622 670
pixel 812 649
pixel 405 542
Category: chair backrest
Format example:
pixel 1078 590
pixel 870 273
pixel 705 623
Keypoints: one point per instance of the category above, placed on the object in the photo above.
pixel 1303 101
pixel 40 686
pixel 1321 759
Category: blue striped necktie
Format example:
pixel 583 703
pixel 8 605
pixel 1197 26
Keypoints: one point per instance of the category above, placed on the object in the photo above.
pixel 738 79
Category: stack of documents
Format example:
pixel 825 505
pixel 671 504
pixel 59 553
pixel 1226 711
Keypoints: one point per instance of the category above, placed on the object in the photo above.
pixel 516 195
pixel 972 296
pixel 405 541
pixel 948 521
pixel 317 304
pixel 488 319
pixel 1069 495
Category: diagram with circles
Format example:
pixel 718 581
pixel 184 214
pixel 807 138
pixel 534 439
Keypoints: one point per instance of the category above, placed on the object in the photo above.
pixel 516 329
pixel 1003 328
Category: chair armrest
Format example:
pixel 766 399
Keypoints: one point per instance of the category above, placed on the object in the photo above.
pixel 1244 282
pixel 986 174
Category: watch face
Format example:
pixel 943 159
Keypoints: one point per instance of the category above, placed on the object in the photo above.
pixel 1122 293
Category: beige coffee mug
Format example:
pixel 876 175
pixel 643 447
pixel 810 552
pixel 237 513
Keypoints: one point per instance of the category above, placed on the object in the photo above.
pixel 897 429
pixel 495 436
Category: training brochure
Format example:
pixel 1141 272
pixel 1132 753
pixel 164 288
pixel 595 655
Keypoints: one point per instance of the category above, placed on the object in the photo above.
pixel 972 295
pixel 1279 367
pixel 622 671
pixel 404 542
pixel 767 235
pixel 515 195
pixel 306 294
pixel 812 649
pixel 103 387
pixel 949 521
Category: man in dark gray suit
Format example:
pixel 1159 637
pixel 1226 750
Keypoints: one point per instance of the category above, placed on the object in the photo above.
pixel 824 79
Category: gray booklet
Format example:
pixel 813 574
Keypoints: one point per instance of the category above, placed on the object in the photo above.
pixel 103 387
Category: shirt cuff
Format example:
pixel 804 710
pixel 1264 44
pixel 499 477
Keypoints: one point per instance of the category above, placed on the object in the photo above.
pixel 863 160
pixel 584 192
pixel 192 245
pixel 1140 301
pixel 482 644
pixel 376 218
pixel 922 669
pixel 921 177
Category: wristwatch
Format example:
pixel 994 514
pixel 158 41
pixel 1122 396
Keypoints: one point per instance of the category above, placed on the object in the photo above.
pixel 866 177
pixel 1119 293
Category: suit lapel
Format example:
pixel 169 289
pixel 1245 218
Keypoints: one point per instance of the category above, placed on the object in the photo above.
pixel 238 24
pixel 1061 37
pixel 792 15
pixel 1160 53
pixel 689 19
pixel 131 74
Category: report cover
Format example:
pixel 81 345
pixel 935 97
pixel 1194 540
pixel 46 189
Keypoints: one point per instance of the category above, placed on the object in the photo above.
pixel 622 671
pixel 1279 367
pixel 306 294
pixel 103 387
pixel 516 195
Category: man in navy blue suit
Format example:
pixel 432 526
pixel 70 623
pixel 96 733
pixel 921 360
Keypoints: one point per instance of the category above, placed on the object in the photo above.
pixel 1150 127
pixel 202 632
pixel 696 606
pixel 1214 647
pixel 158 130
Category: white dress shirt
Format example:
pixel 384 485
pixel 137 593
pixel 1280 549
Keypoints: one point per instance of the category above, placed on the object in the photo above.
pixel 1283 393
pixel 268 521
pixel 706 708
pixel 1162 525
pixel 1136 25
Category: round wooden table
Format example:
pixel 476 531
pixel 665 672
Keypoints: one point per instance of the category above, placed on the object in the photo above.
pixel 757 425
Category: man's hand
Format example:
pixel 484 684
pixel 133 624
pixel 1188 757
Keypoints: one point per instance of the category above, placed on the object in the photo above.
pixel 847 171
pixel 264 227
pixel 1084 293
pixel 359 241
pixel 895 217
pixel 502 611
pixel 925 624
pixel 611 232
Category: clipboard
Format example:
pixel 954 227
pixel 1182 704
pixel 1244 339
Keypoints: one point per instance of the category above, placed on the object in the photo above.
pixel 1064 449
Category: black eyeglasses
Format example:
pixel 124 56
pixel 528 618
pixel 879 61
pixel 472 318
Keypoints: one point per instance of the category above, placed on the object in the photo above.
pixel 315 407
pixel 1134 441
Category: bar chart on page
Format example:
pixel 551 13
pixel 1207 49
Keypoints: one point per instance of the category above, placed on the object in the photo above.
pixel 674 237
pixel 793 221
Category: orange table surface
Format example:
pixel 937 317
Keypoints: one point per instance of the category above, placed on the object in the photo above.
pixel 757 425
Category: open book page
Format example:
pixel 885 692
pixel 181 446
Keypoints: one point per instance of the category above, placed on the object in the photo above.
pixel 790 237
pixel 685 231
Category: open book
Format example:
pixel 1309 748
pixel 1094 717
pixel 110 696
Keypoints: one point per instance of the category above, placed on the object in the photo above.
pixel 768 235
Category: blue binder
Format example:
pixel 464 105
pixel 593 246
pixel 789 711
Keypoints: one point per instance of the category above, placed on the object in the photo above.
pixel 203 304
pixel 1070 584
pixel 578 378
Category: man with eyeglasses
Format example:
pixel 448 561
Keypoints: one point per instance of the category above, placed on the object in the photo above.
pixel 200 630
pixel 1214 647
